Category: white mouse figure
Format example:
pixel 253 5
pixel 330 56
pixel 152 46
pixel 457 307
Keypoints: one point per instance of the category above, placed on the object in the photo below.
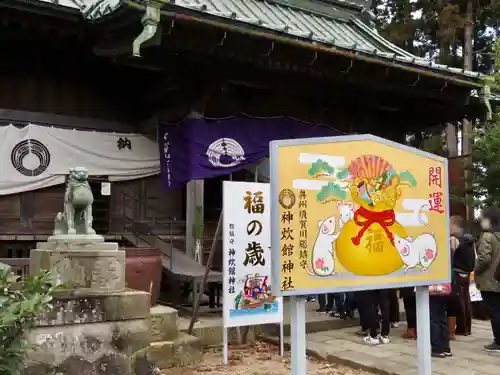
pixel 419 252
pixel 322 259
pixel 346 212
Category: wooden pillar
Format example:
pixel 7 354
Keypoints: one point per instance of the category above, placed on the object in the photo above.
pixel 452 147
pixel 468 126
pixel 194 226
pixel 467 141
pixel 194 216
pixel 195 195
pixel 451 139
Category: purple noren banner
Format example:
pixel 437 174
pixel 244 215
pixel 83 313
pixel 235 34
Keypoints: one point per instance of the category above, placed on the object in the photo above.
pixel 197 149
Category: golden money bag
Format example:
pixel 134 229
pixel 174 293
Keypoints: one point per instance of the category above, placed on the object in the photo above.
pixel 375 255
pixel 364 246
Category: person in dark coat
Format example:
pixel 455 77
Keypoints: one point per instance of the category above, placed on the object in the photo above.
pixel 378 300
pixel 394 307
pixel 326 302
pixel 363 303
pixel 488 260
pixel 440 312
pixel 410 305
pixel 464 261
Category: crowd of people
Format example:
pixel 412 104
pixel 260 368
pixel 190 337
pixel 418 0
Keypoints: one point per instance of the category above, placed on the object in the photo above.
pixel 450 305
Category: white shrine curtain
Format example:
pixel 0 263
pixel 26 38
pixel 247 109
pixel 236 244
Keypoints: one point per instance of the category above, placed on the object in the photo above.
pixel 35 157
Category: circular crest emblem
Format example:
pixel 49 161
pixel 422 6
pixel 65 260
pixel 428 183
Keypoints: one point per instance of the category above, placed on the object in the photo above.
pixel 287 199
pixel 38 154
pixel 225 153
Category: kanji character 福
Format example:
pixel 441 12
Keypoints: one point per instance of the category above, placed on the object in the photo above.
pixel 254 204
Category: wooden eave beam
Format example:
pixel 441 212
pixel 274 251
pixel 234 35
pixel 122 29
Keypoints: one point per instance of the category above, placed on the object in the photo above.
pixel 315 47
pixel 345 70
pixel 38 21
pixel 122 17
pixel 218 50
pixel 310 86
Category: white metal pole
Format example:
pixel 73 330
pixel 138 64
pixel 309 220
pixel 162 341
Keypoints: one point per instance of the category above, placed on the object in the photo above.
pixel 282 337
pixel 298 335
pixel 423 331
pixel 226 345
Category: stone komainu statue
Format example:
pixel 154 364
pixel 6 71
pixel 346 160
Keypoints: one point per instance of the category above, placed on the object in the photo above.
pixel 78 199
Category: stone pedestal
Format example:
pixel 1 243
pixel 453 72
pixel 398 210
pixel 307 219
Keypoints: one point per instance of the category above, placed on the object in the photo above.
pixel 95 322
pixel 81 263
pixel 96 335
pixel 96 326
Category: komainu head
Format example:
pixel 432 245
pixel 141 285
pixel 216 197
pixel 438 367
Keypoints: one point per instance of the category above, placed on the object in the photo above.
pixel 79 174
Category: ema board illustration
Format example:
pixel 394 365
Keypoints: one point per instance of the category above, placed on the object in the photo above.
pixel 358 216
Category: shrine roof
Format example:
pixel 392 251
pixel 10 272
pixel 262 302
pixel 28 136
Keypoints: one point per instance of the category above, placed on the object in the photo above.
pixel 90 9
pixel 342 25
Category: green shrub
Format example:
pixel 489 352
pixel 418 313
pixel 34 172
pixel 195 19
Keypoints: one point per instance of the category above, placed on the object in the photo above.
pixel 21 301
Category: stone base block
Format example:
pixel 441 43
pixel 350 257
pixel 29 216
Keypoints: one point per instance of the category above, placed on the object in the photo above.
pixel 76 242
pixel 164 323
pixel 96 308
pixel 99 348
pixel 213 336
pixel 90 271
pixel 184 350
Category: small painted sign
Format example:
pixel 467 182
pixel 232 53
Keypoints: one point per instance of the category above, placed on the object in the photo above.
pixel 105 188
pixel 249 297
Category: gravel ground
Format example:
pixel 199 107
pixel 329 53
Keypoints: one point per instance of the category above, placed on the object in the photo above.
pixel 258 359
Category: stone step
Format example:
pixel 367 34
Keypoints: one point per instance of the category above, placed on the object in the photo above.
pixel 77 349
pixel 183 351
pixel 164 323
pixel 212 336
pixel 210 329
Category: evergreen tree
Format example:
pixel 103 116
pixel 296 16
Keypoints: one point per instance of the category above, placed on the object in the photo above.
pixel 443 30
pixel 396 22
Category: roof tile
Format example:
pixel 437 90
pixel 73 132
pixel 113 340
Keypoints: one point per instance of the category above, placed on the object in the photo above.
pixel 352 34
pixel 91 9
